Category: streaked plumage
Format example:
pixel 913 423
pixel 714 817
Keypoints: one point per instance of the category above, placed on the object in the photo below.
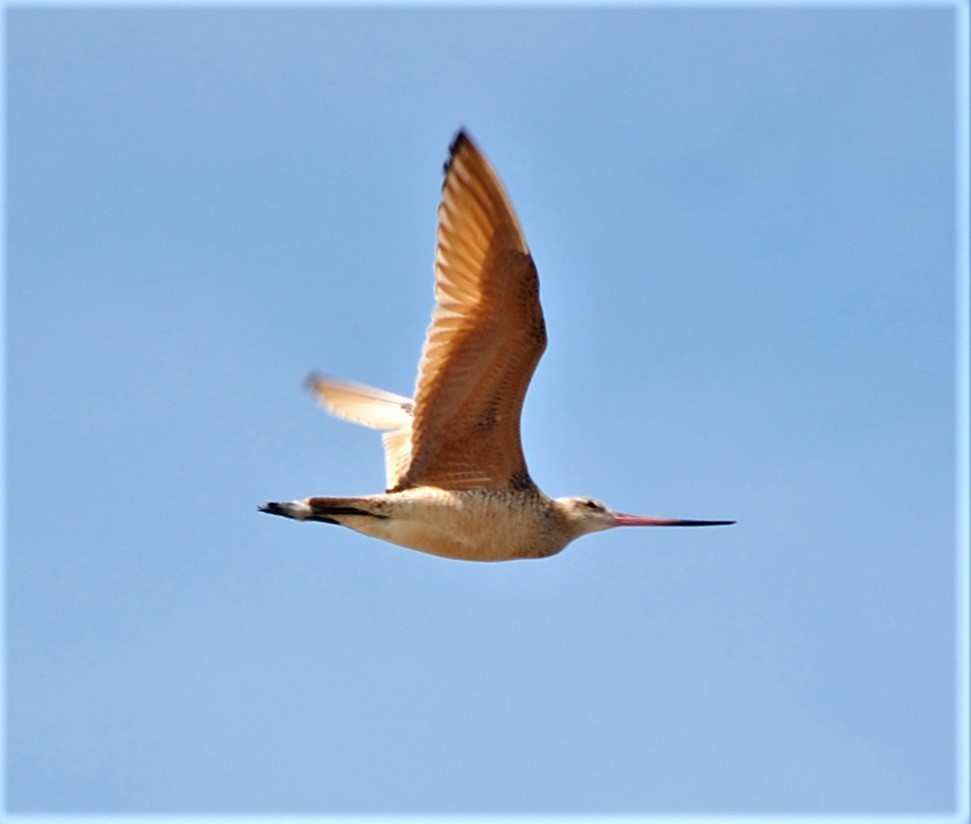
pixel 457 482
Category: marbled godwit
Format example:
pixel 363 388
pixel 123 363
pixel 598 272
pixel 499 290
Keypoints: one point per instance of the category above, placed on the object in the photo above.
pixel 457 484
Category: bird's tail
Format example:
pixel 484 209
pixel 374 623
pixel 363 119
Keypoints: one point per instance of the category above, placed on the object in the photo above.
pixel 324 510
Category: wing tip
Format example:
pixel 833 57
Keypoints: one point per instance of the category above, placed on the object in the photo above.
pixel 461 137
pixel 312 380
pixel 460 142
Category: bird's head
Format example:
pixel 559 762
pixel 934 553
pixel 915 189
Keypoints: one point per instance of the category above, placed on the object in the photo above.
pixel 586 515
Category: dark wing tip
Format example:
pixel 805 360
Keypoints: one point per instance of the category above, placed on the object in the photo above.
pixel 459 142
pixel 310 382
pixel 460 139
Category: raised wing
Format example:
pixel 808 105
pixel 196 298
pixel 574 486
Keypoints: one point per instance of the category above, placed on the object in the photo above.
pixel 373 408
pixel 486 336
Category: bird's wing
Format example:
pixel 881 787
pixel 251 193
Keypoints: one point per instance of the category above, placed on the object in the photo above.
pixel 373 408
pixel 486 336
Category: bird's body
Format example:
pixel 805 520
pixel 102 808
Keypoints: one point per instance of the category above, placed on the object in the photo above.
pixel 472 525
pixel 457 482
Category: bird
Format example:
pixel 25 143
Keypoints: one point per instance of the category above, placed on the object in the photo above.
pixel 457 485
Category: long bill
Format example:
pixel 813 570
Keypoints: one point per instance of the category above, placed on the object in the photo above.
pixel 646 520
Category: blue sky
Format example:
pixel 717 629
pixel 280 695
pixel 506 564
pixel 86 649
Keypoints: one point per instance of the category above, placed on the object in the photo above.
pixel 744 224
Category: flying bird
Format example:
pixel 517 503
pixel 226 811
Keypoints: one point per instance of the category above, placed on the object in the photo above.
pixel 457 483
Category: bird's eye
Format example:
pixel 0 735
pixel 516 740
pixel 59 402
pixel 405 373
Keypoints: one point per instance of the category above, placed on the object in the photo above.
pixel 591 504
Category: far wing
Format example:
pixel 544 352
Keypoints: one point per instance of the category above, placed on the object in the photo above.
pixel 373 408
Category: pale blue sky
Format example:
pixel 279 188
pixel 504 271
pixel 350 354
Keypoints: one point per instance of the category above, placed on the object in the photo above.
pixel 745 230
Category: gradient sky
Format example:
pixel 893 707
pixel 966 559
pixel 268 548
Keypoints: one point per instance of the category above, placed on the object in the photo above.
pixel 744 225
